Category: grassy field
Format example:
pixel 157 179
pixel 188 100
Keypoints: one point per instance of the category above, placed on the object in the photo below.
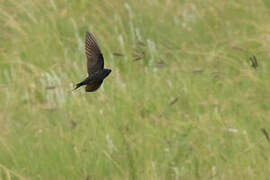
pixel 183 102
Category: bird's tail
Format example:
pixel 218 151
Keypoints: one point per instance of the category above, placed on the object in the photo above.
pixel 77 86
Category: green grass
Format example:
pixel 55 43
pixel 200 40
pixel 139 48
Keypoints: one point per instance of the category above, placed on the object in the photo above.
pixel 196 51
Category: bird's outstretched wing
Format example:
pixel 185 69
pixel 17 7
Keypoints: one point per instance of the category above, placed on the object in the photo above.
pixel 94 56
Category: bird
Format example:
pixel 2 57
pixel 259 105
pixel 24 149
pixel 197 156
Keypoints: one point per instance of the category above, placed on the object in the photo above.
pixel 95 65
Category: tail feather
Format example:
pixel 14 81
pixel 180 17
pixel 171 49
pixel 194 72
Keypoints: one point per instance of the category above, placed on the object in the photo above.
pixel 77 86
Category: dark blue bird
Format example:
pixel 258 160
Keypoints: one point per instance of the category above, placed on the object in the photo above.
pixel 95 65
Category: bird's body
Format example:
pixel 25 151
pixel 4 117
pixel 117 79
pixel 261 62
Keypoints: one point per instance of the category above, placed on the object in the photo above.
pixel 95 65
pixel 94 82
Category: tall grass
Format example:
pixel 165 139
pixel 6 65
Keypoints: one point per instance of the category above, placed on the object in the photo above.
pixel 190 106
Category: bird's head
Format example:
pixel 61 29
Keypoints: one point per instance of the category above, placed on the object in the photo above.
pixel 106 72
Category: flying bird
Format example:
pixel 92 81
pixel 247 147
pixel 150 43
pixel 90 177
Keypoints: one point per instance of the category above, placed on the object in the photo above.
pixel 95 65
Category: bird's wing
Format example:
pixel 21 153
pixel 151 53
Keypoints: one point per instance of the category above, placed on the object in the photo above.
pixel 93 86
pixel 94 56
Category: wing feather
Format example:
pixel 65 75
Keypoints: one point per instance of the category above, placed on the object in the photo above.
pixel 94 56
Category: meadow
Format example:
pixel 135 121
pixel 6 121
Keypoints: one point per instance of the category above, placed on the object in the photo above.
pixel 183 100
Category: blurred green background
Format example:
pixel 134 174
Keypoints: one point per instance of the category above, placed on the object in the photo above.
pixel 182 102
